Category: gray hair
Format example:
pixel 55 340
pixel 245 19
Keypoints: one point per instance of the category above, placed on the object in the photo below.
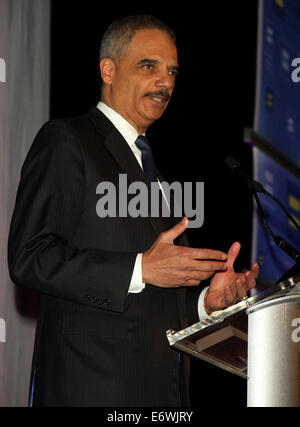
pixel 120 33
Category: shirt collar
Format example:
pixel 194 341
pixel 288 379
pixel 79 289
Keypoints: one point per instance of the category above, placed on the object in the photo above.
pixel 128 132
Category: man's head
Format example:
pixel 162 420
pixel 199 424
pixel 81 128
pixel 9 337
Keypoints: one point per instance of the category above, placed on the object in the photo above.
pixel 139 64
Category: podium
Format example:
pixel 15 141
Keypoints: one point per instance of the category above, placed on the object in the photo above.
pixel 257 339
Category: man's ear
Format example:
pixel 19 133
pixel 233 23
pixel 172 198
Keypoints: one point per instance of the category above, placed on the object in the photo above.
pixel 107 68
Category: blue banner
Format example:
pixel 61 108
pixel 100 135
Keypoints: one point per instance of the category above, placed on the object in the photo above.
pixel 278 93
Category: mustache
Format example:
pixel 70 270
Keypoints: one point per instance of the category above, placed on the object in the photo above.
pixel 162 93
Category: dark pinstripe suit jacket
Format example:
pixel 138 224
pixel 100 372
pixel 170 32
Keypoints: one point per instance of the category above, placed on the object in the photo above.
pixel 95 344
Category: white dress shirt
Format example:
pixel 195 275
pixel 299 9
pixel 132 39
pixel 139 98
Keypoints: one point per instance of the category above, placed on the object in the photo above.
pixel 130 135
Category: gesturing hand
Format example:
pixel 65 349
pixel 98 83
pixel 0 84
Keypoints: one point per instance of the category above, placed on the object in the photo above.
pixel 171 266
pixel 228 287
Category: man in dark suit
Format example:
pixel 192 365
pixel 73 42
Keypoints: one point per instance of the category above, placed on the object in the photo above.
pixel 111 286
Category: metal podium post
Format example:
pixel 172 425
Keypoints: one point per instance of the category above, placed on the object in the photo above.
pixel 257 339
pixel 273 353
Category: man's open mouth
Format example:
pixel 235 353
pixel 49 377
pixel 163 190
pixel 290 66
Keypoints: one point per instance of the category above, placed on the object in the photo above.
pixel 161 97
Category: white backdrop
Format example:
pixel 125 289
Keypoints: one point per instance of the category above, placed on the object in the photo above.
pixel 24 107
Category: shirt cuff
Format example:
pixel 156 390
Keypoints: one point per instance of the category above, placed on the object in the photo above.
pixel 201 310
pixel 136 284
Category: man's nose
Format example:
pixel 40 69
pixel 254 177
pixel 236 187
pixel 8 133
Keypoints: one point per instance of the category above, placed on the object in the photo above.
pixel 165 80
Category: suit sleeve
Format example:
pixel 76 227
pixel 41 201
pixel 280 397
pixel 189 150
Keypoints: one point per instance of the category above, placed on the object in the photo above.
pixel 47 211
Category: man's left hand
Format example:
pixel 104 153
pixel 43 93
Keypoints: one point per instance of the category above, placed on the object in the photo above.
pixel 228 287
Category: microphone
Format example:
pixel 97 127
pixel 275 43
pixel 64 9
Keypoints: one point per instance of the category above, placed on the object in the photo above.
pixel 234 166
pixel 256 188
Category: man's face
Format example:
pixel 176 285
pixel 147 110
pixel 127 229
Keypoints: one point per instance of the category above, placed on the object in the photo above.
pixel 141 83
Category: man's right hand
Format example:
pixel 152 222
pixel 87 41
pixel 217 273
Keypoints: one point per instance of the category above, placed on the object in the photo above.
pixel 169 266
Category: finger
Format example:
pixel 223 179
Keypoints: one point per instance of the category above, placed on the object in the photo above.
pixel 201 254
pixel 193 282
pixel 174 232
pixel 212 266
pixel 232 254
pixel 250 278
pixel 255 270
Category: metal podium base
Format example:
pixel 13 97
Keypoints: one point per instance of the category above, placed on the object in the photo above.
pixel 257 339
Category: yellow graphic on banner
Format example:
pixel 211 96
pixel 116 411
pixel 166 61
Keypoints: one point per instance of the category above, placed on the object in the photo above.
pixel 270 98
pixel 280 3
pixel 294 203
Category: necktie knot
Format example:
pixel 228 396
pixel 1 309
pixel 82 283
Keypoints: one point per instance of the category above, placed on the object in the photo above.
pixel 147 158
pixel 143 144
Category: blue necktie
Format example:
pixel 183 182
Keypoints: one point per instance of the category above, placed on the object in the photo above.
pixel 147 158
pixel 149 170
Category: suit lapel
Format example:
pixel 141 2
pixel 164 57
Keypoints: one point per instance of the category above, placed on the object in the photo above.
pixel 120 150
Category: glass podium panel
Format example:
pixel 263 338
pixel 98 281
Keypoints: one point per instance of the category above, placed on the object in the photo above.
pixel 222 339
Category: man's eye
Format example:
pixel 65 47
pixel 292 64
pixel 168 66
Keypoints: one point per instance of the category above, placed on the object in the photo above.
pixel 148 66
pixel 173 73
